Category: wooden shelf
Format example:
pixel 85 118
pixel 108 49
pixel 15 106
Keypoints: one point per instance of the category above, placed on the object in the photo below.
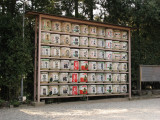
pixel 83 59
pixel 63 33
pixel 42 84
pixel 120 94
pixel 81 47
pixel 69 71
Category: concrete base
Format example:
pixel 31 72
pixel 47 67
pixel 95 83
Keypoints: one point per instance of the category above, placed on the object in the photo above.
pixel 36 104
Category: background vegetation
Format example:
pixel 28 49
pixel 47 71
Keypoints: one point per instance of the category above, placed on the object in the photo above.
pixel 17 58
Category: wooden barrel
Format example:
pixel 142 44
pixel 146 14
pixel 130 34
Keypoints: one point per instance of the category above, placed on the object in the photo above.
pixel 83 77
pixel 75 29
pixel 73 77
pixel 53 77
pixel 92 66
pixel 45 37
pixel 91 77
pixel 44 77
pixel 83 41
pixel 75 41
pixel 56 26
pixel 55 39
pixel 109 33
pixel 66 27
pixel 84 29
pixel 46 24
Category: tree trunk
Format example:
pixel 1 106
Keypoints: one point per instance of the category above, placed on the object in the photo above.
pixel 76 8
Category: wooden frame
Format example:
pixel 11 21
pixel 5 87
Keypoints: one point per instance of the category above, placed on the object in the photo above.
pixel 140 75
pixel 39 16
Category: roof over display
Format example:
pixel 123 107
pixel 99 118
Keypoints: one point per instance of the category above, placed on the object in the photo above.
pixel 69 19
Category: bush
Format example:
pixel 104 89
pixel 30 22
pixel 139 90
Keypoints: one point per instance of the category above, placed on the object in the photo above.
pixel 15 103
pixel 2 102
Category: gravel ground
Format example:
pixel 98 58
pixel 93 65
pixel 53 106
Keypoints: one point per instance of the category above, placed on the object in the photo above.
pixel 148 109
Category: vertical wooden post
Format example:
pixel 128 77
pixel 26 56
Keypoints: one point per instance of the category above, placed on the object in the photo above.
pixel 129 42
pixel 39 59
pixel 35 62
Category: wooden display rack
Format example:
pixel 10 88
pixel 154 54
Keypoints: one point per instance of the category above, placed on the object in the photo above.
pixel 37 84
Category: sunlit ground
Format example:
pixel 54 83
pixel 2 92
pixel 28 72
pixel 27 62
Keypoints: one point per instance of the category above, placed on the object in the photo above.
pixel 97 110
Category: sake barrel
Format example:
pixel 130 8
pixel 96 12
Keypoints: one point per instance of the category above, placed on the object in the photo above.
pixel 45 37
pixel 123 46
pixel 56 26
pixel 117 34
pixel 55 52
pixel 65 65
pixel 66 27
pixel 93 42
pixel 83 90
pixel 115 45
pixel 75 41
pixel 92 30
pixel 123 78
pixel 44 77
pixel 83 65
pixel 45 51
pixel 100 43
pixel 116 56
pixel 108 89
pixel 83 53
pixel 100 89
pixel 63 78
pixel 109 33
pixel 65 52
pixel 83 41
pixel 108 66
pixel 53 90
pixel 53 77
pixel 123 88
pixel 101 54
pixel 101 31
pixel 84 29
pixel 91 77
pixel 83 77
pixel 99 77
pixel 65 40
pixel 91 89
pixel 124 56
pixel 55 39
pixel 116 78
pixel 116 89
pixel 123 67
pixel 73 77
pixel 46 24
pixel 108 78
pixel 92 66
pixel 100 66
pixel 63 90
pixel 108 55
pixel 44 64
pixel 74 53
pixel 73 90
pixel 55 64
pixel 74 65
pixel 108 44
pixel 92 53
pixel 44 90
pixel 115 67
pixel 124 35
pixel 75 29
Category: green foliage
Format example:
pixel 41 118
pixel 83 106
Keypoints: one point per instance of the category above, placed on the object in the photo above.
pixel 1 102
pixel 15 103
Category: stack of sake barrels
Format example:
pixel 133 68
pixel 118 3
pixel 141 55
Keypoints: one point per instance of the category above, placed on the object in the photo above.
pixel 91 49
